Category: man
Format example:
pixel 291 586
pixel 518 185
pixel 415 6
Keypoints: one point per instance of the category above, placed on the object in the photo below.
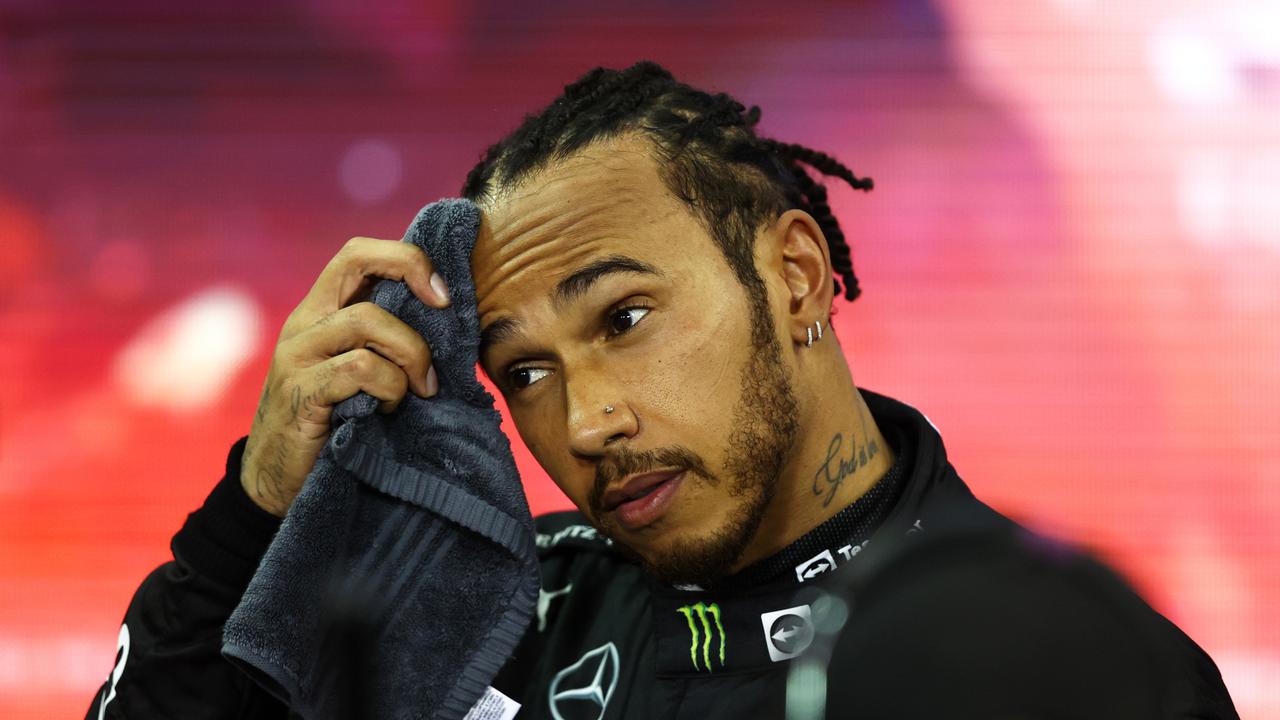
pixel 655 286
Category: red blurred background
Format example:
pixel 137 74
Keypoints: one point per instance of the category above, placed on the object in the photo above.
pixel 1071 260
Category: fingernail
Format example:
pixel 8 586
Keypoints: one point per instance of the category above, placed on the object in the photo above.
pixel 437 284
pixel 433 382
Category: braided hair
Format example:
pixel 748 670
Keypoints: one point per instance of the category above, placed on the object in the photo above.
pixel 711 157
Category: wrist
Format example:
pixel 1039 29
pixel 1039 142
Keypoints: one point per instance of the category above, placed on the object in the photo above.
pixel 262 500
pixel 258 485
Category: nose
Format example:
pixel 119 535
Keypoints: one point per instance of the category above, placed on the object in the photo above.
pixel 592 427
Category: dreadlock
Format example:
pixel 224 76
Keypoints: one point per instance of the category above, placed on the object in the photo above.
pixel 712 158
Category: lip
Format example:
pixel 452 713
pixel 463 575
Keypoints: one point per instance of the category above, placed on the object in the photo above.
pixel 636 513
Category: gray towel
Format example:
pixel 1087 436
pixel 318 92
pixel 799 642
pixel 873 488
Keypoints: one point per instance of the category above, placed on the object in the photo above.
pixel 405 572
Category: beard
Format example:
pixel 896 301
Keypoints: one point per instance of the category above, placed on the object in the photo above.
pixel 757 448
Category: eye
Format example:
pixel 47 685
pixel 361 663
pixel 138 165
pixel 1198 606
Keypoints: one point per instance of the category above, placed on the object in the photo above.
pixel 623 319
pixel 523 377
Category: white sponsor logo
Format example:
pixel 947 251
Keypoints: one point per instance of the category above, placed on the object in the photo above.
pixel 574 532
pixel 583 689
pixel 825 561
pixel 122 646
pixel 849 552
pixel 815 566
pixel 544 603
pixel 787 633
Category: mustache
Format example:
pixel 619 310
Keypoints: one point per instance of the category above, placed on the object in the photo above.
pixel 623 462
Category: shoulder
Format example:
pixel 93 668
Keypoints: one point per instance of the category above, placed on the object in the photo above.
pixel 1010 594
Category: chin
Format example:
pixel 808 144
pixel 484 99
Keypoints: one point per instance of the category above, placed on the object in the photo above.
pixel 694 558
pixel 708 546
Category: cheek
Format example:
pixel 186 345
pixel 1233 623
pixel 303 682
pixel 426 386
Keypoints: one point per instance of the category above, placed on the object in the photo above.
pixel 690 381
pixel 550 449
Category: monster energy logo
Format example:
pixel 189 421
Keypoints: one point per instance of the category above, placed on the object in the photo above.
pixel 701 632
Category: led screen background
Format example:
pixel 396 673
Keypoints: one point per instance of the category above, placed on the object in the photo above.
pixel 1070 261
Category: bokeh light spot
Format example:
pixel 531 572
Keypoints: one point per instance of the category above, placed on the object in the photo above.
pixel 370 170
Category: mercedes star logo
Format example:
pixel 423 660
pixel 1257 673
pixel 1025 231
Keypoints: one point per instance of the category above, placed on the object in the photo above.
pixel 582 690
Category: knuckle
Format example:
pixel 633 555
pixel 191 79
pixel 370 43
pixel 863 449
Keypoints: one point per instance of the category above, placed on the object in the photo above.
pixel 340 258
pixel 350 252
pixel 363 313
pixel 360 361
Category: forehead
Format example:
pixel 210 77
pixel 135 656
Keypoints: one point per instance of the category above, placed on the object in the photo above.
pixel 607 199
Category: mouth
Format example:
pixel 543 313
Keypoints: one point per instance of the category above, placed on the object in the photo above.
pixel 641 499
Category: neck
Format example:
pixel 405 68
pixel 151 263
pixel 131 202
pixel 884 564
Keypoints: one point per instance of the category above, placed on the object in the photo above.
pixel 838 456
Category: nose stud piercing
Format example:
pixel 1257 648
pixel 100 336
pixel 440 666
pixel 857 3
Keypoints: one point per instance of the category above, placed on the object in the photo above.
pixel 608 409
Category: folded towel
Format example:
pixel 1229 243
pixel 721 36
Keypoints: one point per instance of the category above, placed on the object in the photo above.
pixel 405 572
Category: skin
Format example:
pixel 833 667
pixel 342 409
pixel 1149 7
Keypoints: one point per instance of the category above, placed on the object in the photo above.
pixel 333 345
pixel 671 351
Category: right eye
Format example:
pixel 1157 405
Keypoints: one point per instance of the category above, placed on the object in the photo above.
pixel 523 377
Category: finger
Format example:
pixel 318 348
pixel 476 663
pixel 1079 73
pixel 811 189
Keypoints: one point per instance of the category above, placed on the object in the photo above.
pixel 365 325
pixel 363 261
pixel 341 377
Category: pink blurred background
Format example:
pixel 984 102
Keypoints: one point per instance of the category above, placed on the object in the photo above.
pixel 1071 260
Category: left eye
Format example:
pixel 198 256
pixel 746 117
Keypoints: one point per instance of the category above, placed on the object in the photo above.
pixel 523 377
pixel 623 319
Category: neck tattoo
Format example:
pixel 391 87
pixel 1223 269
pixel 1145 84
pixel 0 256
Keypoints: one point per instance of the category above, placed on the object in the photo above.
pixel 836 469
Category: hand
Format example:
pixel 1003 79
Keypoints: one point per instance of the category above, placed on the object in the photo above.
pixel 334 344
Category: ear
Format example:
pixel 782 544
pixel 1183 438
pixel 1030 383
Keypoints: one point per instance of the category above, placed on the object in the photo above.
pixel 806 271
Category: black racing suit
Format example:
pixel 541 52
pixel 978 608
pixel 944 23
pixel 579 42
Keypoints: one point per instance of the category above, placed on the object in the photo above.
pixel 609 642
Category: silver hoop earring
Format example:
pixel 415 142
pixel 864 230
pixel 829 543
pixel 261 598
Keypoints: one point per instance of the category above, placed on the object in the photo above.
pixel 608 409
pixel 809 333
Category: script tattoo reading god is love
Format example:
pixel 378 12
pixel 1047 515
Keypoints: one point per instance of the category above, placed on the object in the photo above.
pixel 836 469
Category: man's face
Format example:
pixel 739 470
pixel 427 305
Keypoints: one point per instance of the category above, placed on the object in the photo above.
pixel 598 290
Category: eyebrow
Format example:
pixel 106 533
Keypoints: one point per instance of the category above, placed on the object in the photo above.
pixel 577 284
pixel 497 332
pixel 580 281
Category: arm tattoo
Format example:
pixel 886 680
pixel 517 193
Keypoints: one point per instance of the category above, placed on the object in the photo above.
pixel 270 472
pixel 294 403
